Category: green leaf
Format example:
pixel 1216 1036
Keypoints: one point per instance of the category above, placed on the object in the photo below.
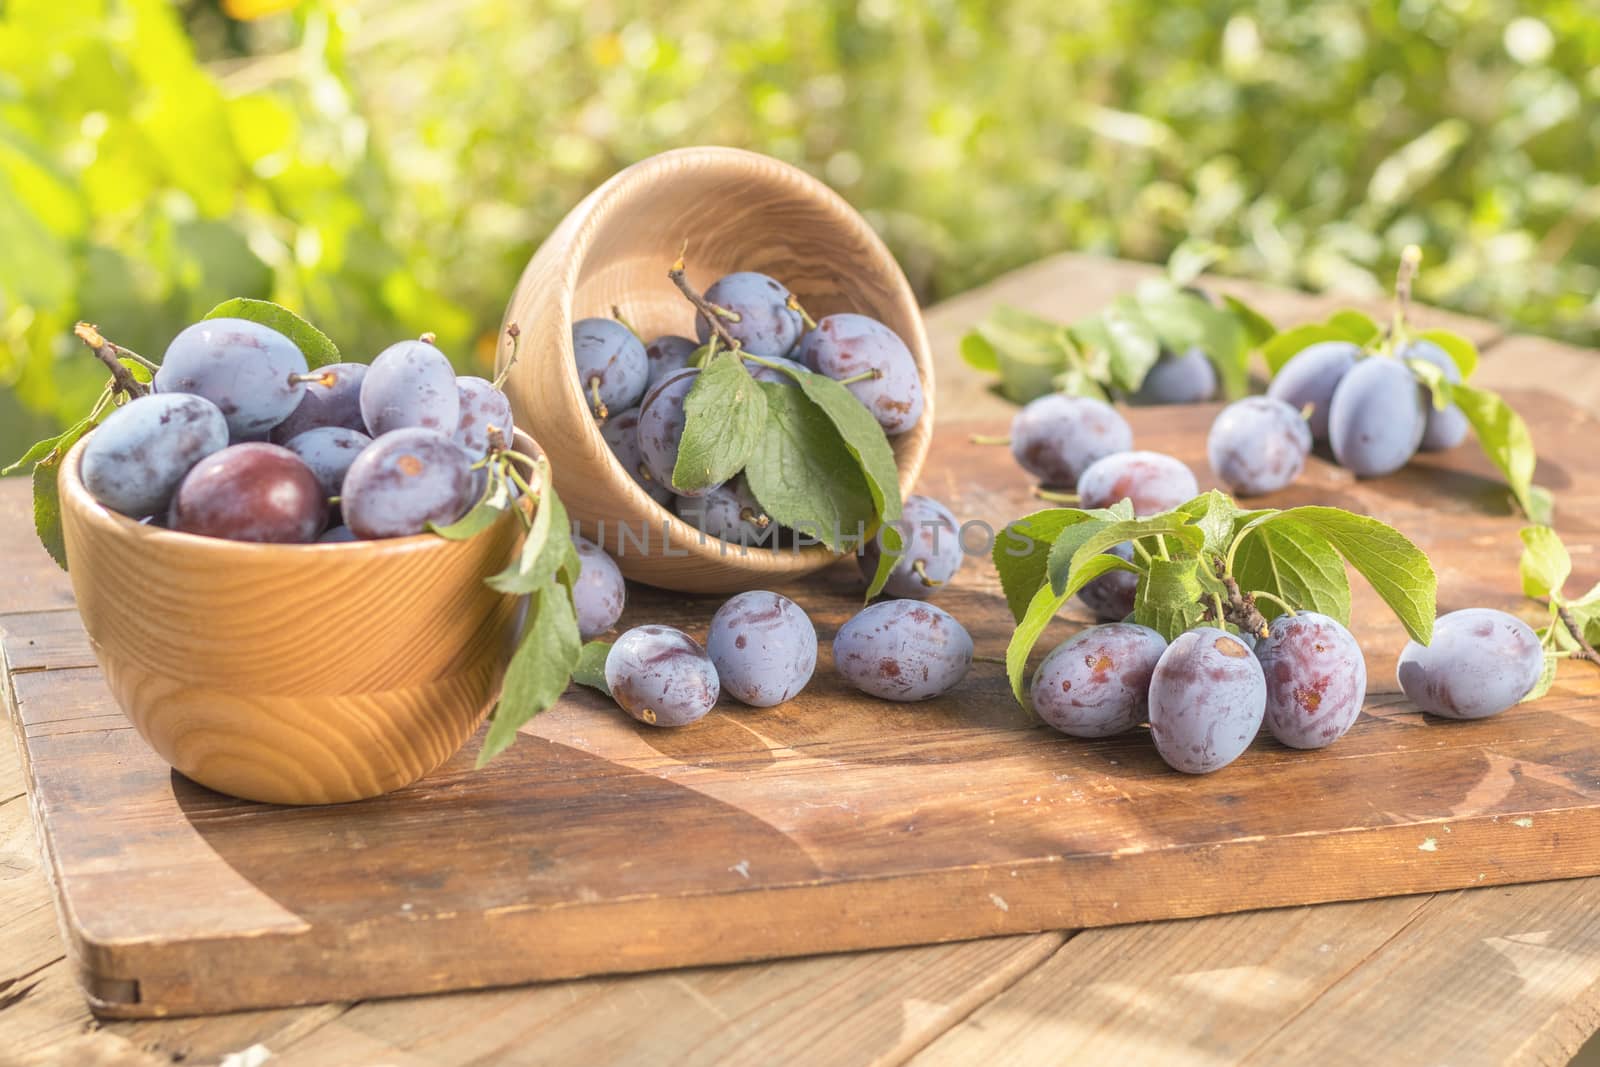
pixel 539 670
pixel 47 510
pixel 1294 561
pixel 724 415
pixel 1227 345
pixel 1458 348
pixel 803 474
pixel 591 667
pixel 1042 607
pixel 53 447
pixel 495 502
pixel 1022 551
pixel 1168 596
pixel 1545 563
pixel 1258 329
pixel 1066 545
pixel 1356 326
pixel 1398 570
pixel 1215 514
pixel 891 546
pixel 979 354
pixel 1187 538
pixel 1027 351
pixel 863 438
pixel 1191 259
pixel 1288 344
pixel 546 549
pixel 1126 339
pixel 312 342
pixel 1547 678
pixel 1505 440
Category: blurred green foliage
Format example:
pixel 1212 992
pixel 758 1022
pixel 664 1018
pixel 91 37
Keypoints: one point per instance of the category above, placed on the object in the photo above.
pixel 387 168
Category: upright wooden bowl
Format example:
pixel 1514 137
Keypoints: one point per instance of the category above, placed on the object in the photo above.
pixel 292 674
pixel 728 210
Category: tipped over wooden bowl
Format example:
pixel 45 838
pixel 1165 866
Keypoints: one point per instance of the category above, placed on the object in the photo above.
pixel 292 674
pixel 726 210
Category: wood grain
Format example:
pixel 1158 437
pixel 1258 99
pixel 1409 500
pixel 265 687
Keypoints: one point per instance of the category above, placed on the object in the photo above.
pixel 206 645
pixel 866 824
pixel 726 210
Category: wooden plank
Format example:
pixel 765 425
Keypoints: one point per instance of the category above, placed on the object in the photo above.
pixel 809 810
pixel 1065 277
pixel 31 580
pixel 866 1008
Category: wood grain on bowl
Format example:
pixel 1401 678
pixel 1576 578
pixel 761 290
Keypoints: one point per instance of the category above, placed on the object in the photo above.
pixel 292 674
pixel 725 210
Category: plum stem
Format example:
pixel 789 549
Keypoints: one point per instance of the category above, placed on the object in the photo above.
pixel 709 311
pixel 1240 608
pixel 1410 261
pixel 514 332
pixel 1258 594
pixel 793 304
pixel 616 313
pixel 920 569
pixel 600 410
pixel 1000 660
pixel 864 376
pixel 430 338
pixel 756 518
pixel 324 378
pixel 1056 496
pixel 990 439
pixel 1584 650
pixel 107 352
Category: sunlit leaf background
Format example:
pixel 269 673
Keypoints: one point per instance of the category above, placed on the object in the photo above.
pixel 387 167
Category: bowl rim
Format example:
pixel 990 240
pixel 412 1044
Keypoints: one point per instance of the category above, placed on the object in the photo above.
pixel 75 496
pixel 578 230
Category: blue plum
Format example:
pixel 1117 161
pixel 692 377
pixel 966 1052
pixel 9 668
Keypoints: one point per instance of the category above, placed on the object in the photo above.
pixel 1377 417
pixel 1178 379
pixel 1152 481
pixel 874 362
pixel 766 325
pixel 1097 682
pixel 410 384
pixel 1479 663
pixel 599 593
pixel 661 421
pixel 1056 437
pixel 329 451
pixel 611 365
pixel 483 407
pixel 1316 679
pixel 1258 445
pixel 1111 595
pixel 902 650
pixel 1207 699
pixel 134 460
pixel 932 554
pixel 666 354
pixel 661 676
pixel 1447 426
pixel 247 370
pixel 1310 378
pixel 729 512
pixel 332 398
pixel 621 432
pixel 403 481
pixel 764 647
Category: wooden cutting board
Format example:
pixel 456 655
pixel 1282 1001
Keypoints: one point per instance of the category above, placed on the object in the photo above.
pixel 832 823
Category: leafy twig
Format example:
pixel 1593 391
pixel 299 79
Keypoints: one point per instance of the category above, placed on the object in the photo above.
pixel 108 353
pixel 712 313
pixel 1584 650
pixel 1240 607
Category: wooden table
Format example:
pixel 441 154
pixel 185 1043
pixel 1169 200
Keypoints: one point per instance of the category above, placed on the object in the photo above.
pixel 1493 976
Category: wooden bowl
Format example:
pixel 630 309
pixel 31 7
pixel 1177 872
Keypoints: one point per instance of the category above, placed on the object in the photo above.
pixel 292 674
pixel 734 210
